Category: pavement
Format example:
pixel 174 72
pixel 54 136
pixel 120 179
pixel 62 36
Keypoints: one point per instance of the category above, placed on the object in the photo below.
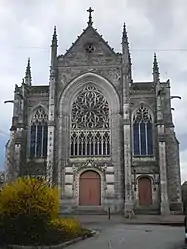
pixel 123 236
pixel 171 220
pixel 139 232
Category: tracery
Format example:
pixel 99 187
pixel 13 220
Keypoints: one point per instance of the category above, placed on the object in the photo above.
pixel 90 126
pixel 143 132
pixel 38 133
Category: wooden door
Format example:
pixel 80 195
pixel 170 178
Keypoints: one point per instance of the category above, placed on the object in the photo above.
pixel 145 191
pixel 90 189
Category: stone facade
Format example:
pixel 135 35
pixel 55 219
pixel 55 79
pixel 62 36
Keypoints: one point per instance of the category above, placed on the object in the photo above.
pixel 91 63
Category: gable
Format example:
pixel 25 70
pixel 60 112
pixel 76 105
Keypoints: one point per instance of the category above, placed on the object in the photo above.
pixel 89 47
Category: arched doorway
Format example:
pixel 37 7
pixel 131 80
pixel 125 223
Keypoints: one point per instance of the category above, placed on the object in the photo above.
pixel 90 189
pixel 145 191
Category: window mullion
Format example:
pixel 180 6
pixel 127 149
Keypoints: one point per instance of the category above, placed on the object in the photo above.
pixel 86 141
pixel 102 143
pixel 140 144
pixel 146 138
pixel 42 140
pixel 78 141
pixel 94 143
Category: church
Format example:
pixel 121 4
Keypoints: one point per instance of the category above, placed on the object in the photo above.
pixel 103 139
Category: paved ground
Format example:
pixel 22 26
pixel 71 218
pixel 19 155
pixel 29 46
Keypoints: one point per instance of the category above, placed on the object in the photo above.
pixel 138 219
pixel 122 236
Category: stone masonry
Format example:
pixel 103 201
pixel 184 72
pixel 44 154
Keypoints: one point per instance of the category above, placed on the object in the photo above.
pixel 90 63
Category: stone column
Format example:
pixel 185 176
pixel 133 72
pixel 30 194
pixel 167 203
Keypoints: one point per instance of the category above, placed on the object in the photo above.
pixel 51 131
pixel 128 207
pixel 164 204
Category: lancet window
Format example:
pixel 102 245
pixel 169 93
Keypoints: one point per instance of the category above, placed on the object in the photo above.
pixel 143 132
pixel 90 126
pixel 38 134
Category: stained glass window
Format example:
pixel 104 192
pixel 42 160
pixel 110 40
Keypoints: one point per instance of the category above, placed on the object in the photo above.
pixel 38 134
pixel 90 128
pixel 142 132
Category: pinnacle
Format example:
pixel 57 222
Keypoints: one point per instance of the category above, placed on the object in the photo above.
pixel 54 38
pixel 125 37
pixel 28 73
pixel 155 64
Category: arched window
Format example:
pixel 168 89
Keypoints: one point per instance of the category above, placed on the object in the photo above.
pixel 38 134
pixel 90 128
pixel 142 132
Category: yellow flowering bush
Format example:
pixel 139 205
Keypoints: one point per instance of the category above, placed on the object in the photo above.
pixel 29 195
pixel 69 228
pixel 29 215
pixel 67 225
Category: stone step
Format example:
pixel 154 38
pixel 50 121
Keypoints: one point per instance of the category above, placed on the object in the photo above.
pixel 147 211
pixel 89 210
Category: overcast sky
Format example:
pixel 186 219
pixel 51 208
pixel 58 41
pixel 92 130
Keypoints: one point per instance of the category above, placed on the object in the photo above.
pixel 153 26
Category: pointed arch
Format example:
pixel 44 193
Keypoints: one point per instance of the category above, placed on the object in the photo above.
pixel 38 132
pixel 142 120
pixel 35 108
pixel 90 123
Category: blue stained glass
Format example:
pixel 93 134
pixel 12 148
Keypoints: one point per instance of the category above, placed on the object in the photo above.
pixel 100 146
pixel 96 145
pixel 108 149
pixel 83 149
pixel 143 138
pixel 150 138
pixel 39 140
pixel 76 149
pixel 72 149
pixel 80 148
pixel 45 135
pixel 136 139
pixel 32 140
pixel 104 148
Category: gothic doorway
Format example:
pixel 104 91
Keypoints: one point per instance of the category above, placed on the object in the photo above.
pixel 90 189
pixel 145 191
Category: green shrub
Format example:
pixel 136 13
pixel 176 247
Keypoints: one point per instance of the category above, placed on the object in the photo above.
pixel 29 230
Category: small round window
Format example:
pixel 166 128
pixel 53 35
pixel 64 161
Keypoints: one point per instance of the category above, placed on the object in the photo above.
pixel 90 48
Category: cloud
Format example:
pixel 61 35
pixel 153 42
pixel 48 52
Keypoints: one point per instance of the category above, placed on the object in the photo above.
pixel 153 26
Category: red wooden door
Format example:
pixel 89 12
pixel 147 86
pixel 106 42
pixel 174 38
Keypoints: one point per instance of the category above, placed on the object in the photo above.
pixel 145 191
pixel 90 189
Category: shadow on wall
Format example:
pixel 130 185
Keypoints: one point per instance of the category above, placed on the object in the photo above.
pixel 184 196
pixel 3 141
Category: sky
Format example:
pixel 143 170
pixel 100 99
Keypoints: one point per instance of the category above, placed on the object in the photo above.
pixel 159 26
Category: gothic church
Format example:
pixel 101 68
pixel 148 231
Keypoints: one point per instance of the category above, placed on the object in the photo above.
pixel 104 139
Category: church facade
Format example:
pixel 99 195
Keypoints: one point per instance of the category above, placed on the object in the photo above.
pixel 105 140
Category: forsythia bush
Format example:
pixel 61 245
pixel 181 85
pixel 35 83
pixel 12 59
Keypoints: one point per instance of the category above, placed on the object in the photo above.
pixel 29 215
pixel 68 226
pixel 29 195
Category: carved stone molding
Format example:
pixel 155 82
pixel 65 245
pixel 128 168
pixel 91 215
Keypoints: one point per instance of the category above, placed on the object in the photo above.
pixel 88 165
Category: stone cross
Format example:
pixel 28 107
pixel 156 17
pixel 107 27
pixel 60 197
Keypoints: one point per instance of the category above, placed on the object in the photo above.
pixel 90 10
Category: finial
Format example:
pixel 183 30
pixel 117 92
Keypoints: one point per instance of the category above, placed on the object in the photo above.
pixel 155 69
pixel 155 64
pixel 54 39
pixel 28 73
pixel 90 10
pixel 125 37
